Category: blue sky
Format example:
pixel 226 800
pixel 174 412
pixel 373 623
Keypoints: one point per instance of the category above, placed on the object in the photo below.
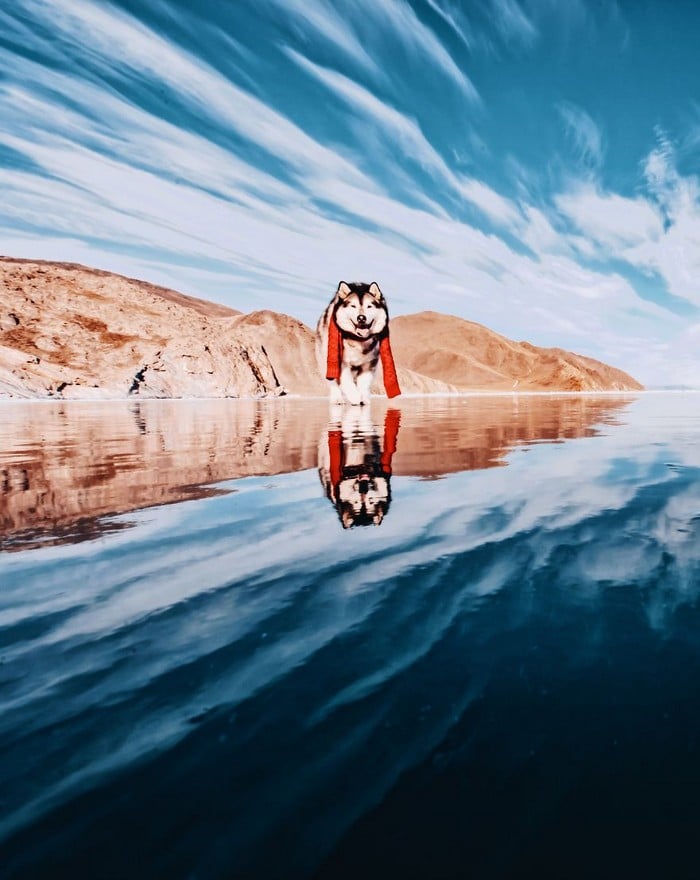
pixel 529 164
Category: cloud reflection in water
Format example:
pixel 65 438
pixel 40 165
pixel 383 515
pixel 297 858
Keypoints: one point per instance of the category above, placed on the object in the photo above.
pixel 301 683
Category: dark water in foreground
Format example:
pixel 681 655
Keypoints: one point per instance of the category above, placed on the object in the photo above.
pixel 203 674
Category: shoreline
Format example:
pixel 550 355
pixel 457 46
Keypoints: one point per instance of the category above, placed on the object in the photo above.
pixel 460 395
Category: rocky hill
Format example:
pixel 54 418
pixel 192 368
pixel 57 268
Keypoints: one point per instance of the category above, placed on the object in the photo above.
pixel 470 356
pixel 68 331
pixel 72 332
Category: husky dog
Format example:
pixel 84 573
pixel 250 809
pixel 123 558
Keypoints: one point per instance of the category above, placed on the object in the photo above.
pixel 354 466
pixel 352 335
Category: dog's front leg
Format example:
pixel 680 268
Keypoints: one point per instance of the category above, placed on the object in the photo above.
pixel 364 386
pixel 335 393
pixel 349 388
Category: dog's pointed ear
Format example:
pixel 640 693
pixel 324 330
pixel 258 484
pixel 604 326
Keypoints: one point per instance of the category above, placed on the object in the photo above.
pixel 376 292
pixel 343 291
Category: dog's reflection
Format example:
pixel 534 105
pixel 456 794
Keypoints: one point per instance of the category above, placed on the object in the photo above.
pixel 354 464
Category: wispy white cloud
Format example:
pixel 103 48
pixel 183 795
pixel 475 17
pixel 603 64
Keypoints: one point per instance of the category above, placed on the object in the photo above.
pixel 402 132
pixel 539 234
pixel 675 253
pixel 657 232
pixel 513 23
pixel 496 207
pixel 585 136
pixel 398 17
pixel 675 195
pixel 377 28
pixel 454 18
pixel 612 221
pixel 322 20
pixel 121 46
pixel 404 135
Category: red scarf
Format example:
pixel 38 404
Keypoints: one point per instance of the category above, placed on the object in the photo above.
pixel 335 356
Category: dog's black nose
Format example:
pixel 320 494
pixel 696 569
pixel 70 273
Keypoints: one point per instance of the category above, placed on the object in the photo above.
pixel 363 487
pixel 361 320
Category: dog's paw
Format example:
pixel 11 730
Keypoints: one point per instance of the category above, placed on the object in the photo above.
pixel 335 395
pixel 352 396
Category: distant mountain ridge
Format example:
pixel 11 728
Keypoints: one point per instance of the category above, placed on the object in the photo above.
pixel 472 357
pixel 70 331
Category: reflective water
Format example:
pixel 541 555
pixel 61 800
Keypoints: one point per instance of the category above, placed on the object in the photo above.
pixel 448 638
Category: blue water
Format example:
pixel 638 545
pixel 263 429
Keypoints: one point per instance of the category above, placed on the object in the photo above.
pixel 204 674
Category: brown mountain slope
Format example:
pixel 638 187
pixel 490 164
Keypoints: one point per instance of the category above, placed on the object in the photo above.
pixel 98 279
pixel 472 357
pixel 69 331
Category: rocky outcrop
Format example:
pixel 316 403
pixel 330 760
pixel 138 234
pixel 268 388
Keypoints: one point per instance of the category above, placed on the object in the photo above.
pixel 71 332
pixel 67 331
pixel 290 346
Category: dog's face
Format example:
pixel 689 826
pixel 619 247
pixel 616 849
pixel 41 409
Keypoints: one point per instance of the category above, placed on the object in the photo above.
pixel 363 500
pixel 361 310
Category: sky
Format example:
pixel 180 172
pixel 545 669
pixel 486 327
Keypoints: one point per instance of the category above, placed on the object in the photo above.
pixel 532 165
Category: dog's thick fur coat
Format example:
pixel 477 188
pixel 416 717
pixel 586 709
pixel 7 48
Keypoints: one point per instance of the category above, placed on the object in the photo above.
pixel 351 337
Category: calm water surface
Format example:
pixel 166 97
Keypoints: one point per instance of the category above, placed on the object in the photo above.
pixel 448 638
